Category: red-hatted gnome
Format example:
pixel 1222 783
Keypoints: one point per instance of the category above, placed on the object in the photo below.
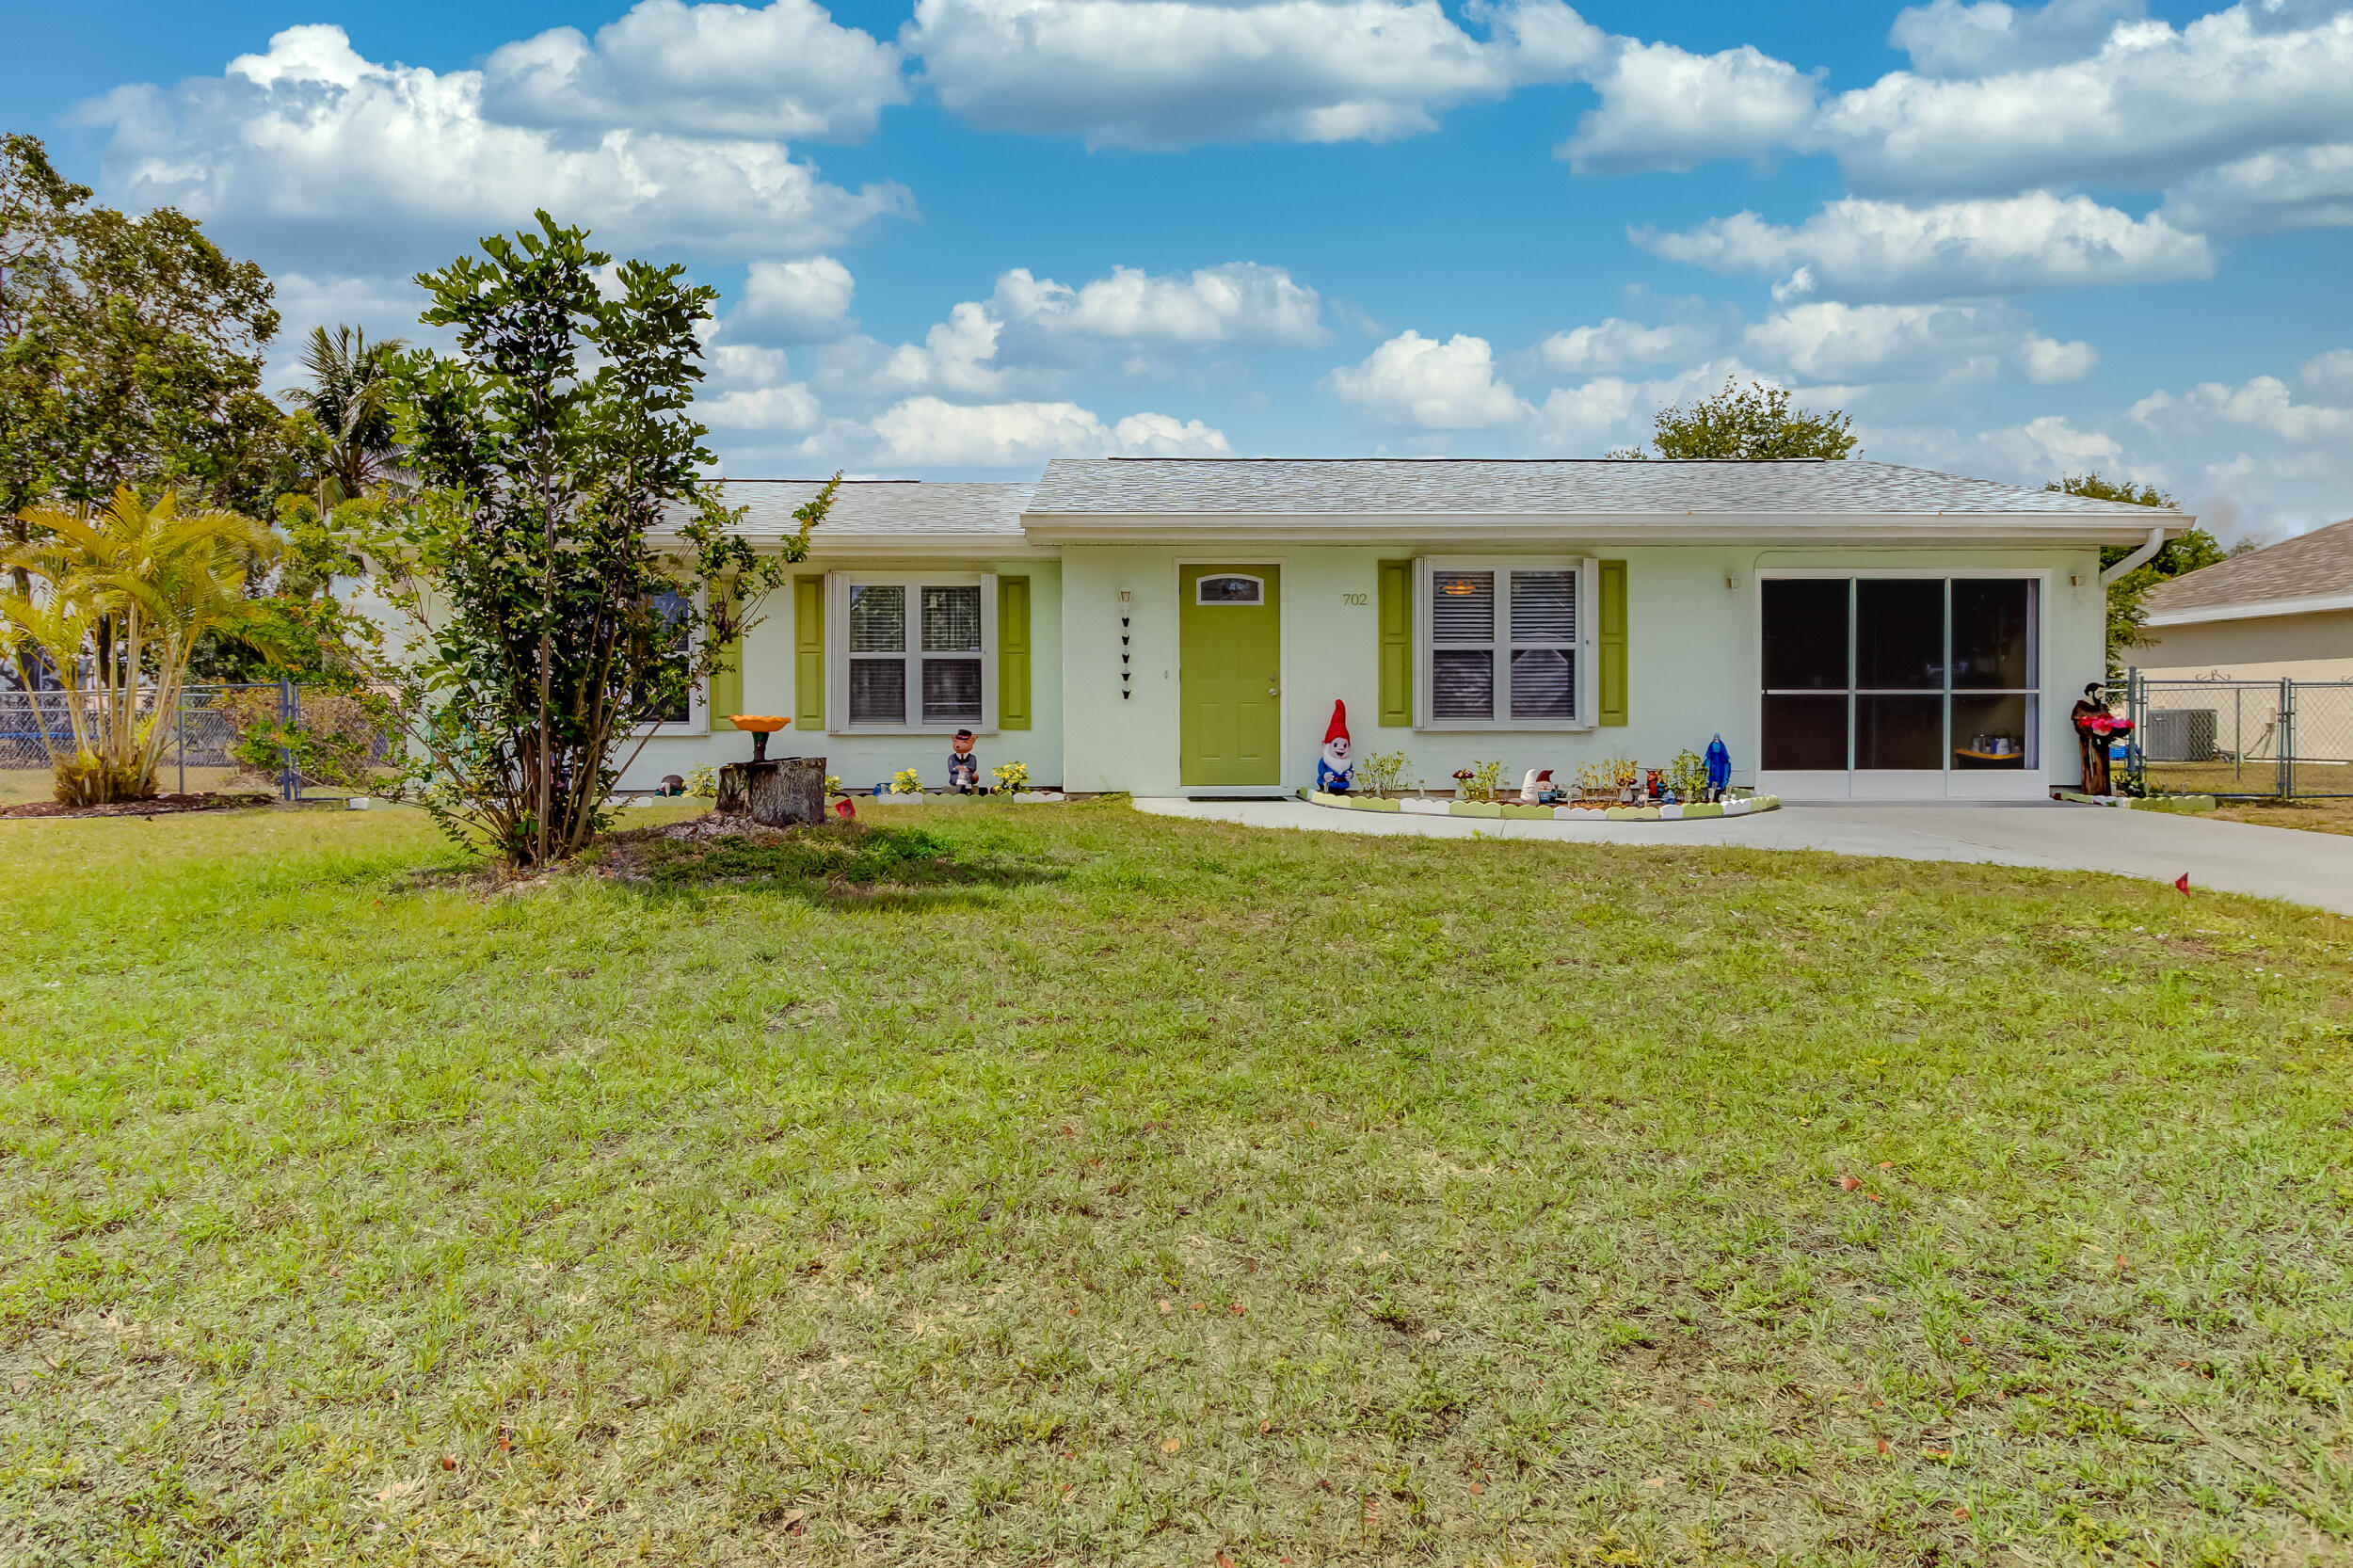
pixel 1336 770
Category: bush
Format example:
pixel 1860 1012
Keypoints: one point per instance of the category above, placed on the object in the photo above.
pixel 336 738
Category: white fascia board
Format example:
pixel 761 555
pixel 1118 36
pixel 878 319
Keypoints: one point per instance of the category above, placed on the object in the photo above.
pixel 1458 529
pixel 2316 604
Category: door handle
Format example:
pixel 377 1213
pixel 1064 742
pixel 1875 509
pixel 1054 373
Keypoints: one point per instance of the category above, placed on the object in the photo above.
pixel 1271 691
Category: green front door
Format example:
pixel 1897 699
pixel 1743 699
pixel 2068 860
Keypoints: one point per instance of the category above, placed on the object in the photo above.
pixel 1229 645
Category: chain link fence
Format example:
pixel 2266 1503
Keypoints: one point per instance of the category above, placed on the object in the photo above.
pixel 2281 740
pixel 211 743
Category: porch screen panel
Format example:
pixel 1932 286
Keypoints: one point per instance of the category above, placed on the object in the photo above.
pixel 1997 674
pixel 1899 673
pixel 1808 673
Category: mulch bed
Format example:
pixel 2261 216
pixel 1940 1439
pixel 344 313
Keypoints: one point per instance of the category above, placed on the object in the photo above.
pixel 159 805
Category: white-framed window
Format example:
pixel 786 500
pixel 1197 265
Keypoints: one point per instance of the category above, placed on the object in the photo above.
pixel 1505 644
pixel 1229 587
pixel 689 711
pixel 916 653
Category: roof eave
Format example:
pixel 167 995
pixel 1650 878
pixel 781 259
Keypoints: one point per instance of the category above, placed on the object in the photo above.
pixel 2311 604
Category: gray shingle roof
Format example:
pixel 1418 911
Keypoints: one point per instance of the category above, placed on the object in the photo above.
pixel 2318 564
pixel 880 509
pixel 1482 487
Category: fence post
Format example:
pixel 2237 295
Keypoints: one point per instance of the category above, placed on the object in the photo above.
pixel 2287 737
pixel 2135 769
pixel 289 785
pixel 180 735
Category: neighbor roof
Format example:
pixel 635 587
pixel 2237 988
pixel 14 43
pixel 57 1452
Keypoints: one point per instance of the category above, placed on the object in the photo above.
pixel 1129 496
pixel 2303 575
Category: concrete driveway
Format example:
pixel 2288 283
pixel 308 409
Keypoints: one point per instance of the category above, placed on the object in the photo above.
pixel 2314 868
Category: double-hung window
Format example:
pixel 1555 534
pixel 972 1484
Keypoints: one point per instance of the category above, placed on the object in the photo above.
pixel 917 652
pixel 1506 645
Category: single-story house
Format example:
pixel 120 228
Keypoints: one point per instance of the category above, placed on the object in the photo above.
pixel 2283 611
pixel 1184 626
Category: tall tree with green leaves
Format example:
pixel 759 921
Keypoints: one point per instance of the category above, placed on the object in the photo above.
pixel 2127 619
pixel 1754 421
pixel 130 353
pixel 568 577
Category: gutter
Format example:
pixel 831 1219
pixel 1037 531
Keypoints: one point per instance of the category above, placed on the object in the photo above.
pixel 2155 542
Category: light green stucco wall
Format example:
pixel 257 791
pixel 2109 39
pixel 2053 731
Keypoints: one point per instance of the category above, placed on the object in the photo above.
pixel 859 760
pixel 1693 657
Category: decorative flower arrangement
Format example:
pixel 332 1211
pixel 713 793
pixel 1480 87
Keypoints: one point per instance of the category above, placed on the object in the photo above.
pixel 1012 777
pixel 906 781
pixel 2104 726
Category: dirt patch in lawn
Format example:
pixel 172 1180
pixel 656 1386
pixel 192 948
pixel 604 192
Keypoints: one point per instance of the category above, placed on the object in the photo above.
pixel 2313 816
pixel 157 806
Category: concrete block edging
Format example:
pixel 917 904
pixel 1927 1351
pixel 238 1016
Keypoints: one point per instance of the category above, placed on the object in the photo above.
pixel 1513 811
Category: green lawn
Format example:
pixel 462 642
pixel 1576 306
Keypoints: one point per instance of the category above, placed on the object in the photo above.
pixel 1158 1190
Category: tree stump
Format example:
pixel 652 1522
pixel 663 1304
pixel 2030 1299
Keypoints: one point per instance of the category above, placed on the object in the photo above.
pixel 776 792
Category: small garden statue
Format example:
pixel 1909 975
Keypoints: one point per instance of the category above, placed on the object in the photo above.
pixel 1719 768
pixel 2097 729
pixel 1334 771
pixel 964 769
pixel 1536 787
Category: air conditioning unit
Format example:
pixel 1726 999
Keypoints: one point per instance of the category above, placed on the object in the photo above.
pixel 2181 735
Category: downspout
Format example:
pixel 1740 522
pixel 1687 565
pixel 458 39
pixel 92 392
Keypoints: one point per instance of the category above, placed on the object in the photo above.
pixel 2154 543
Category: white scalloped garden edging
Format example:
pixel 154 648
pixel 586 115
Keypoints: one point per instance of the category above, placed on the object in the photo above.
pixel 1512 811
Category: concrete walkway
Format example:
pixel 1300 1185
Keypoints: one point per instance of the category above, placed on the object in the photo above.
pixel 2314 868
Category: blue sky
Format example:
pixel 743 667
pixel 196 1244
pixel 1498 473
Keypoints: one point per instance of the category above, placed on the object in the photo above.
pixel 960 237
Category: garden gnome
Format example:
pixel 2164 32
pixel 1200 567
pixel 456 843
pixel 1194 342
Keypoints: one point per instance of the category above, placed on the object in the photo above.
pixel 2095 746
pixel 1535 785
pixel 964 769
pixel 1719 768
pixel 1334 768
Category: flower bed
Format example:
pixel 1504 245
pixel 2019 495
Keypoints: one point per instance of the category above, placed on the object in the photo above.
pixel 1509 811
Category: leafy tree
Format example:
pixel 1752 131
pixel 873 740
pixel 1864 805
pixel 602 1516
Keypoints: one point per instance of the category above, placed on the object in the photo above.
pixel 130 352
pixel 549 619
pixel 120 597
pixel 2127 619
pixel 1752 421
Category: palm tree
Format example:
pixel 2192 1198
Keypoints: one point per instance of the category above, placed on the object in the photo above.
pixel 348 395
pixel 119 600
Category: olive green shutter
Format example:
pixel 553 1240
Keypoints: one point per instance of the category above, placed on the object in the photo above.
pixel 1013 653
pixel 1396 643
pixel 726 672
pixel 809 655
pixel 1612 670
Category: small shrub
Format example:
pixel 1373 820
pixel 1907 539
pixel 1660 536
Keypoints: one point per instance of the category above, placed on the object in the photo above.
pixel 1481 780
pixel 1381 770
pixel 1012 777
pixel 335 738
pixel 702 781
pixel 906 781
pixel 1686 775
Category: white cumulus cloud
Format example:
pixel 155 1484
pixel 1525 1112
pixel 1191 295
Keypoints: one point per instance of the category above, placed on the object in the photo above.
pixel 1862 249
pixel 1616 343
pixel 1828 341
pixel 337 159
pixel 2151 106
pixel 1663 107
pixel 1421 382
pixel 2264 403
pixel 1238 303
pixel 2288 187
pixel 928 432
pixel 803 300
pixel 1949 38
pixel 1176 73
pixel 785 70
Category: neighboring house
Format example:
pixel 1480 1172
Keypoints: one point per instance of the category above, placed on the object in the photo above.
pixel 2286 610
pixel 1164 626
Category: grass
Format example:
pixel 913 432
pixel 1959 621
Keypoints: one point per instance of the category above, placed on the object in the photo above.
pixel 2315 816
pixel 1168 1190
